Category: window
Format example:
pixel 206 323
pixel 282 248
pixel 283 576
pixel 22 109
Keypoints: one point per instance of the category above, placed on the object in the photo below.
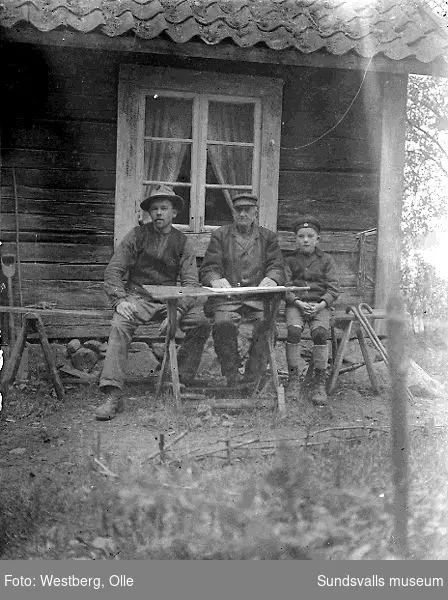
pixel 209 136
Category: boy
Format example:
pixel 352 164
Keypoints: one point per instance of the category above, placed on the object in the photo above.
pixel 311 267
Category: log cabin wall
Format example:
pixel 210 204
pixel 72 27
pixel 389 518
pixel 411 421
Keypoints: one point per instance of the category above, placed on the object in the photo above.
pixel 59 134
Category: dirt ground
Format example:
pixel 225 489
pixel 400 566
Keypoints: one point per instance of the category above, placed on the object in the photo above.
pixel 40 432
pixel 44 438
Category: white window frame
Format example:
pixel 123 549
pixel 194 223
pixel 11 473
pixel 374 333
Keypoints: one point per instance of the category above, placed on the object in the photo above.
pixel 137 81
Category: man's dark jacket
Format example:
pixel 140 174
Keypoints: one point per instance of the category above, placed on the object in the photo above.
pixel 261 258
pixel 147 257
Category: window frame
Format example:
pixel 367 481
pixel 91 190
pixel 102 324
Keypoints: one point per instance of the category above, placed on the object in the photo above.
pixel 138 81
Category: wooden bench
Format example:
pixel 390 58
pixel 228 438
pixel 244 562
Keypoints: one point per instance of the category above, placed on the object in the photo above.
pixel 339 320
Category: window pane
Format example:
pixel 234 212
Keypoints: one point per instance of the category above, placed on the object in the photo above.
pixel 218 204
pixel 229 165
pixel 231 122
pixel 168 117
pixel 183 218
pixel 167 161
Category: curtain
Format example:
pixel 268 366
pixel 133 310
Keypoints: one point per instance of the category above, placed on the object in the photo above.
pixel 231 164
pixel 166 117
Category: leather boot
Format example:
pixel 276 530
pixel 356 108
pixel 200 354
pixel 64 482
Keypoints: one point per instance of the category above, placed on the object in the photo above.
pixel 258 354
pixel 292 358
pixel 190 353
pixel 113 405
pixel 319 392
pixel 225 339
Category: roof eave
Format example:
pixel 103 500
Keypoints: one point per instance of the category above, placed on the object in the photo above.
pixel 224 50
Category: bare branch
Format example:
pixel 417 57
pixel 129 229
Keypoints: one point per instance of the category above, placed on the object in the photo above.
pixel 425 155
pixel 430 136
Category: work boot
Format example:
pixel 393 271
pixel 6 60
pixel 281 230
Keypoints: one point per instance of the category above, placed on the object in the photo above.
pixel 225 339
pixel 190 352
pixel 113 405
pixel 257 361
pixel 292 358
pixel 319 392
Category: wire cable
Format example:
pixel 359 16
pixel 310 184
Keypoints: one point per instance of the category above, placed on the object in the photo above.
pixel 340 119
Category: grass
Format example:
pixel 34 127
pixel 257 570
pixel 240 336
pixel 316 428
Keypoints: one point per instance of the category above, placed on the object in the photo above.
pixel 333 503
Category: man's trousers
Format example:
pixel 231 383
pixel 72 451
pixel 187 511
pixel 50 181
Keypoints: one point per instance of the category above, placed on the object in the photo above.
pixel 193 323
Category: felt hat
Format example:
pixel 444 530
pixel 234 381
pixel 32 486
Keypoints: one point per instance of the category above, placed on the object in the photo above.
pixel 163 192
pixel 307 221
pixel 245 199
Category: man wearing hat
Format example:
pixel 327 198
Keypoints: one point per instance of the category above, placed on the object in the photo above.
pixel 154 253
pixel 311 267
pixel 242 254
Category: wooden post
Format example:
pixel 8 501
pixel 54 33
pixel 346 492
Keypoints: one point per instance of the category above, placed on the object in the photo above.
pixel 172 328
pixel 390 187
pixel 271 303
pixel 398 366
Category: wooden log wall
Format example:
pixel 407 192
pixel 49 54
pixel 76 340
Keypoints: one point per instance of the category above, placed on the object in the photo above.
pixel 59 134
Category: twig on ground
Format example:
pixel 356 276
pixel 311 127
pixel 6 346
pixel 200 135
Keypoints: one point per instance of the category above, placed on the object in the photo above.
pixel 214 452
pixel 235 435
pixel 272 443
pixel 348 427
pixel 229 447
pixel 105 470
pixel 192 452
pixel 162 446
pixel 169 445
pixel 98 444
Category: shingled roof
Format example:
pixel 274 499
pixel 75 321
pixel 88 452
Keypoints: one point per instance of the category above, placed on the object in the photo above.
pixel 396 28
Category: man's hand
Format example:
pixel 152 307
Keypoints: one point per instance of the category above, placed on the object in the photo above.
pixel 317 307
pixel 126 309
pixel 164 324
pixel 267 282
pixel 220 283
pixel 310 309
pixel 304 307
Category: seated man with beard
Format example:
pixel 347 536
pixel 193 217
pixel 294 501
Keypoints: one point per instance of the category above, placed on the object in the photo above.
pixel 242 254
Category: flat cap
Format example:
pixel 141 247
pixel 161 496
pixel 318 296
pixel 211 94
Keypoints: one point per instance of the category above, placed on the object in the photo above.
pixel 307 221
pixel 163 192
pixel 245 199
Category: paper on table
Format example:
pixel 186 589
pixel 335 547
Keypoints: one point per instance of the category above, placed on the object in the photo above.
pixel 230 290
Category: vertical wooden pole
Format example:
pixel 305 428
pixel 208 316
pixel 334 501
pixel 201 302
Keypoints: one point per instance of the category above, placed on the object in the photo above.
pixel 128 189
pixel 390 188
pixel 271 304
pixel 398 366
pixel 172 327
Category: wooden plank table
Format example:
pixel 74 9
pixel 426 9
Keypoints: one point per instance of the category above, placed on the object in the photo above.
pixel 170 295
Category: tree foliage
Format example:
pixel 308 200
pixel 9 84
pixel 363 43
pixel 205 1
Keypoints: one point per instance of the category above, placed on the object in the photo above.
pixel 425 206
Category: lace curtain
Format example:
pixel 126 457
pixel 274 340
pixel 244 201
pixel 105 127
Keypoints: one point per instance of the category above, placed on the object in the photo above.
pixel 231 164
pixel 169 118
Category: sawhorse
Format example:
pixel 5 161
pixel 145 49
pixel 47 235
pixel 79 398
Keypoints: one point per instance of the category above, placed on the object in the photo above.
pixel 338 356
pixel 33 324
